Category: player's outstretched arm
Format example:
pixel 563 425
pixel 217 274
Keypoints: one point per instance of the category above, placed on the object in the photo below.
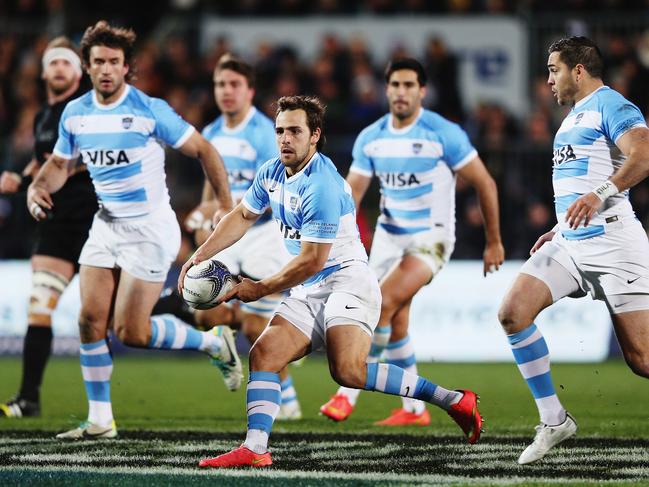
pixel 198 147
pixel 476 174
pixel 635 145
pixel 229 230
pixel 50 179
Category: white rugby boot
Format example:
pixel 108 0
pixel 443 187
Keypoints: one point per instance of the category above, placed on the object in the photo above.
pixel 227 359
pixel 290 411
pixel 90 431
pixel 547 437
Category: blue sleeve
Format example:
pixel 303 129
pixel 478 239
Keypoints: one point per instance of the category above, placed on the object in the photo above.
pixel 361 163
pixel 620 116
pixel 256 197
pixel 266 146
pixel 169 126
pixel 321 211
pixel 458 149
pixel 65 145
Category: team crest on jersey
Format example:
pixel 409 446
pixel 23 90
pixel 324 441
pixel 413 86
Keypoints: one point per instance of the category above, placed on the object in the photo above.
pixel 127 122
pixel 293 203
pixel 416 147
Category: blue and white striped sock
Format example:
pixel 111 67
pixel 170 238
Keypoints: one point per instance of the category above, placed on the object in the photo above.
pixel 263 398
pixel 380 340
pixel 289 394
pixel 402 354
pixel 96 369
pixel 391 379
pixel 533 358
pixel 170 333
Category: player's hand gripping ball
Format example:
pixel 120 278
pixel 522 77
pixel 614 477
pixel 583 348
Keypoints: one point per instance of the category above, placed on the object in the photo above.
pixel 206 283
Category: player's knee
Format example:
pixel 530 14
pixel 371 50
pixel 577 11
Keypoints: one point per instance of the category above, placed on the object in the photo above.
pixel 263 357
pixel 47 288
pixel 130 335
pixel 509 317
pixel 348 373
pixel 639 364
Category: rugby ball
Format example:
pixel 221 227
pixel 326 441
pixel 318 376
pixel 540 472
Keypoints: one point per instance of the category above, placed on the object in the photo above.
pixel 206 283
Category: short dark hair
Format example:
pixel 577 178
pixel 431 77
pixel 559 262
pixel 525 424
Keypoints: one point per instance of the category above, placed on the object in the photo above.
pixel 103 34
pixel 579 50
pixel 406 63
pixel 313 108
pixel 227 61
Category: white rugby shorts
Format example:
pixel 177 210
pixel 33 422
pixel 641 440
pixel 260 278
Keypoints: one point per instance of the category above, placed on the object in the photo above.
pixel 349 296
pixel 145 247
pixel 433 247
pixel 258 254
pixel 613 267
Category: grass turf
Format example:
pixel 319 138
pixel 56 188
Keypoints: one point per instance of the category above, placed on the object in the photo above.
pixel 173 409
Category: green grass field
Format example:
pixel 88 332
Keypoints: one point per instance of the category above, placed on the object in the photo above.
pixel 172 410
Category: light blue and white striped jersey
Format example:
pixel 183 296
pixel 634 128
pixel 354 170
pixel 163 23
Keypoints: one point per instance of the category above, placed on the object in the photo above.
pixel 416 169
pixel 585 156
pixel 244 148
pixel 122 145
pixel 314 205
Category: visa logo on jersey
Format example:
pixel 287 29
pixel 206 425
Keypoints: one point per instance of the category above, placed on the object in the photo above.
pixel 398 179
pixel 104 157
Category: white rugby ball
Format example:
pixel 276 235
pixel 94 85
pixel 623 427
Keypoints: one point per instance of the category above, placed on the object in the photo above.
pixel 206 283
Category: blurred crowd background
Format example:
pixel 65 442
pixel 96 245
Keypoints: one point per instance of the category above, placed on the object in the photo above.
pixel 347 75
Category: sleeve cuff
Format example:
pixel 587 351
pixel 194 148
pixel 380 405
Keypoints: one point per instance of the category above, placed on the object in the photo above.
pixel 317 239
pixel 468 158
pixel 188 133
pixel 360 171
pixel 251 208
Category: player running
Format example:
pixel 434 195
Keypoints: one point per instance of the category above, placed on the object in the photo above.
pixel 416 155
pixel 334 299
pixel 598 245
pixel 245 138
pixel 59 238
pixel 118 132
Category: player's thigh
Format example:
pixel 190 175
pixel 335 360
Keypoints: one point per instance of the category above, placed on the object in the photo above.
pixel 280 343
pixel 632 330
pixel 253 326
pixel 223 314
pixel 134 301
pixel 98 286
pixel 403 281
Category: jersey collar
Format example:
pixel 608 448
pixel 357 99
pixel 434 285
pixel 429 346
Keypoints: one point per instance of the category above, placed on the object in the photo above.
pixel 405 129
pixel 112 105
pixel 588 97
pixel 298 174
pixel 241 125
